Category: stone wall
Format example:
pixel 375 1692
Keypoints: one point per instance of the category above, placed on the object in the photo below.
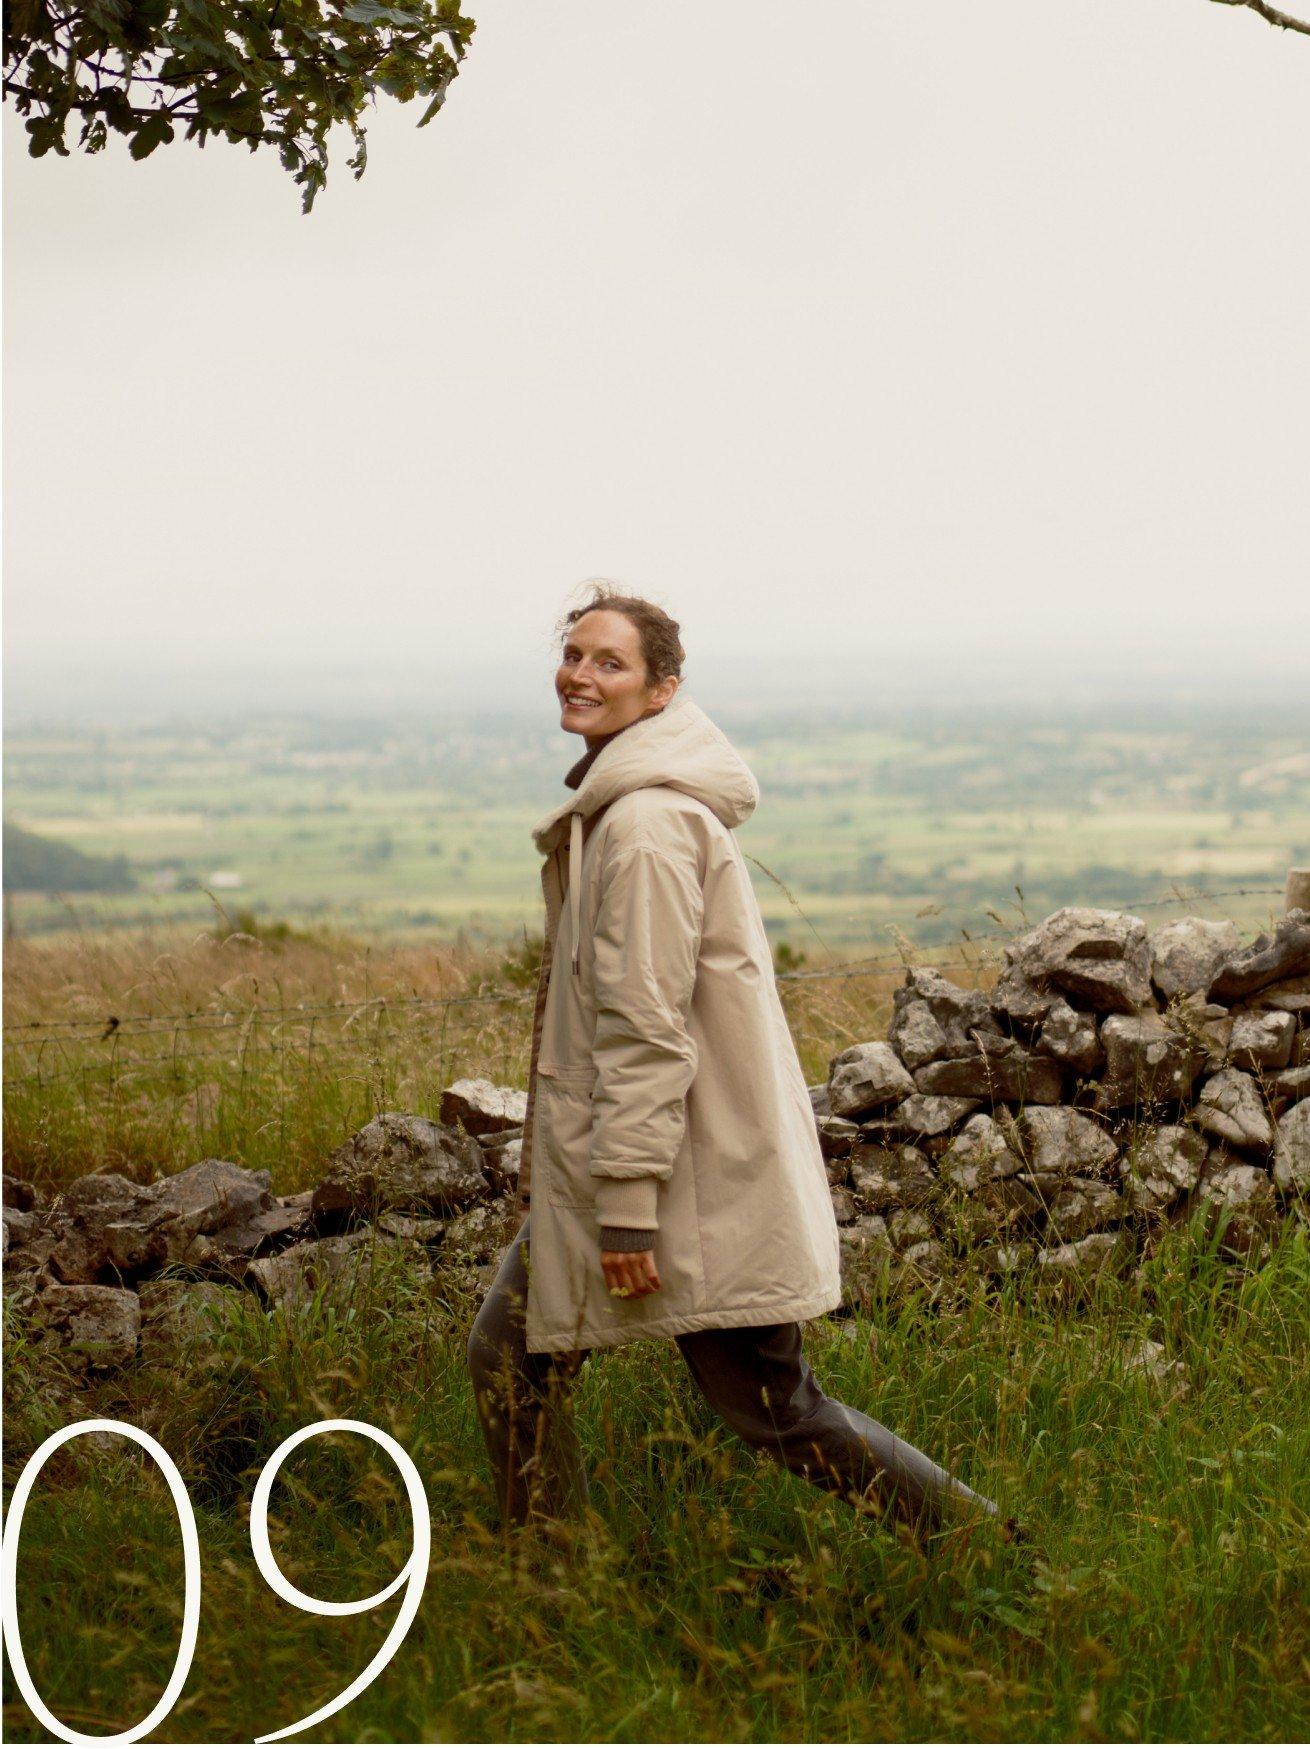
pixel 1116 1081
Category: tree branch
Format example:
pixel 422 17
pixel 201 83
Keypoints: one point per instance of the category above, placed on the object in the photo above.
pixel 1270 14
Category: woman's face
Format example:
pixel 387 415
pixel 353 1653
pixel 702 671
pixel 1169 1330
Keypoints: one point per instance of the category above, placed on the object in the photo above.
pixel 601 680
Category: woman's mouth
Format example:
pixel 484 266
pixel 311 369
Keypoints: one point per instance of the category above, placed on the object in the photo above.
pixel 577 701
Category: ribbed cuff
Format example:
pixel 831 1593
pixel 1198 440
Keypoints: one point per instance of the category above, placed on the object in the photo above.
pixel 627 1238
pixel 628 1202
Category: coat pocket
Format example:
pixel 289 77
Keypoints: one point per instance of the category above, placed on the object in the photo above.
pixel 563 1134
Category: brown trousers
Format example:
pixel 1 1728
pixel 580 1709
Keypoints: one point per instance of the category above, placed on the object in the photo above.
pixel 755 1377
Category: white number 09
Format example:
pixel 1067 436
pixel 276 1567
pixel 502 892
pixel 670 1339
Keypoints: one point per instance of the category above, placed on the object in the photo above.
pixel 413 1575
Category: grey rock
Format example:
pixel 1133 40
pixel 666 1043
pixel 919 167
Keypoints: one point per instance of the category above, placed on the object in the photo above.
pixel 819 1098
pixel 1148 1062
pixel 181 1318
pixel 481 1108
pixel 403 1162
pixel 1292 1149
pixel 1292 1084
pixel 1261 1041
pixel 1151 1359
pixel 477 1235
pixel 977 1155
pixel 1082 1206
pixel 866 1254
pixel 1007 1258
pixel 1270 959
pixel 207 1197
pixel 17 1194
pixel 837 1136
pixel 100 1227
pixel 1243 1194
pixel 1229 1106
pixel 908 1226
pixel 1071 1039
pixel 996 1210
pixel 1161 1164
pixel 1074 1266
pixel 340 1268
pixel 933 1018
pixel 1056 1139
pixel 421 1230
pixel 925 1262
pixel 1019 1003
pixel 502 1164
pixel 228 1251
pixel 94 1327
pixel 1101 958
pixel 921 1115
pixel 1002 1070
pixel 1289 997
pixel 889 1178
pixel 866 1077
pixel 1186 954
pixel 843 1205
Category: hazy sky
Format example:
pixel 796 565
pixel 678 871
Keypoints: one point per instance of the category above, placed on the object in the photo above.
pixel 879 341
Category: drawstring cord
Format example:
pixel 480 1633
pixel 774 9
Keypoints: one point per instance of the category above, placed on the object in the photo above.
pixel 575 883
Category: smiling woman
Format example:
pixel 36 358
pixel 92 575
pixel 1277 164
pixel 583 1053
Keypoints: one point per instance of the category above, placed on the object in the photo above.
pixel 669 1131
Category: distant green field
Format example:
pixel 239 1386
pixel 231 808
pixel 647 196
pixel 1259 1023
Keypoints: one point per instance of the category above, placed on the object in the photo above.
pixel 925 826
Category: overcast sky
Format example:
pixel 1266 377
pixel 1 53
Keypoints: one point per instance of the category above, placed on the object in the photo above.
pixel 881 342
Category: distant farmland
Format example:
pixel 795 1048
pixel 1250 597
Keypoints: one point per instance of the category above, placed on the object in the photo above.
pixel 924 825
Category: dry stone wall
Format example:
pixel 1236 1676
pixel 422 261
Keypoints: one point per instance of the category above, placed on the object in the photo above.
pixel 1115 1082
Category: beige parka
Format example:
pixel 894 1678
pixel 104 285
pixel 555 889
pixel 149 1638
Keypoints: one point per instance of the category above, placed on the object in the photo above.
pixel 664 1090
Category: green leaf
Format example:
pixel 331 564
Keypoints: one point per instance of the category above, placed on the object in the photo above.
pixel 156 130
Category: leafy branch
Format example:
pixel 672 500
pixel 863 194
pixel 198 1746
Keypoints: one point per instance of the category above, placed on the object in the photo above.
pixel 277 73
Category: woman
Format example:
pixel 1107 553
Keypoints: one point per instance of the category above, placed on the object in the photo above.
pixel 672 1183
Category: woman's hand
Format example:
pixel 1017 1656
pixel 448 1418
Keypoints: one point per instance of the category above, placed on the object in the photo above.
pixel 630 1275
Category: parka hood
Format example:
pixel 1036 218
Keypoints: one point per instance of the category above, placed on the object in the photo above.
pixel 680 747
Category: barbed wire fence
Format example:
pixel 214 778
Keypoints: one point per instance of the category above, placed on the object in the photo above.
pixel 60 1033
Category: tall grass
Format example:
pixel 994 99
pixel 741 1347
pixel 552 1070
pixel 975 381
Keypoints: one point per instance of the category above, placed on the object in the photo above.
pixel 709 1595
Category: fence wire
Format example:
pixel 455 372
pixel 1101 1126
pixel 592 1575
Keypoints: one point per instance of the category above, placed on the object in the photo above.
pixel 41 1033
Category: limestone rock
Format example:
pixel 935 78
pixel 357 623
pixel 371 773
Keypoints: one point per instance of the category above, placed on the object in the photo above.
pixel 1261 1041
pixel 837 1136
pixel 1186 954
pixel 101 1231
pixel 1082 1206
pixel 866 1078
pixel 207 1197
pixel 908 1226
pixel 1003 1069
pixel 933 1018
pixel 93 1326
pixel 1071 1039
pixel 926 1262
pixel 819 1098
pixel 17 1193
pixel 339 1268
pixel 482 1108
pixel 1100 958
pixel 1229 1106
pixel 1289 997
pixel 1270 959
pixel 502 1164
pixel 1057 1139
pixel 1075 1266
pixel 977 1155
pixel 996 1210
pixel 921 1116
pixel 1151 1359
pixel 478 1235
pixel 866 1254
pixel 1148 1062
pixel 1292 1084
pixel 1243 1194
pixel 179 1318
pixel 1292 1149
pixel 843 1205
pixel 1161 1165
pixel 403 1162
pixel 1019 1003
pixel 889 1178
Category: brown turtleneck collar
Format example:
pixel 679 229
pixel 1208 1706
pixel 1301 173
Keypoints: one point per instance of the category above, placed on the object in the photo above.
pixel 576 773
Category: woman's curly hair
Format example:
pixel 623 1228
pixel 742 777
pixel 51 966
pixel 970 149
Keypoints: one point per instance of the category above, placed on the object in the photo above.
pixel 660 644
